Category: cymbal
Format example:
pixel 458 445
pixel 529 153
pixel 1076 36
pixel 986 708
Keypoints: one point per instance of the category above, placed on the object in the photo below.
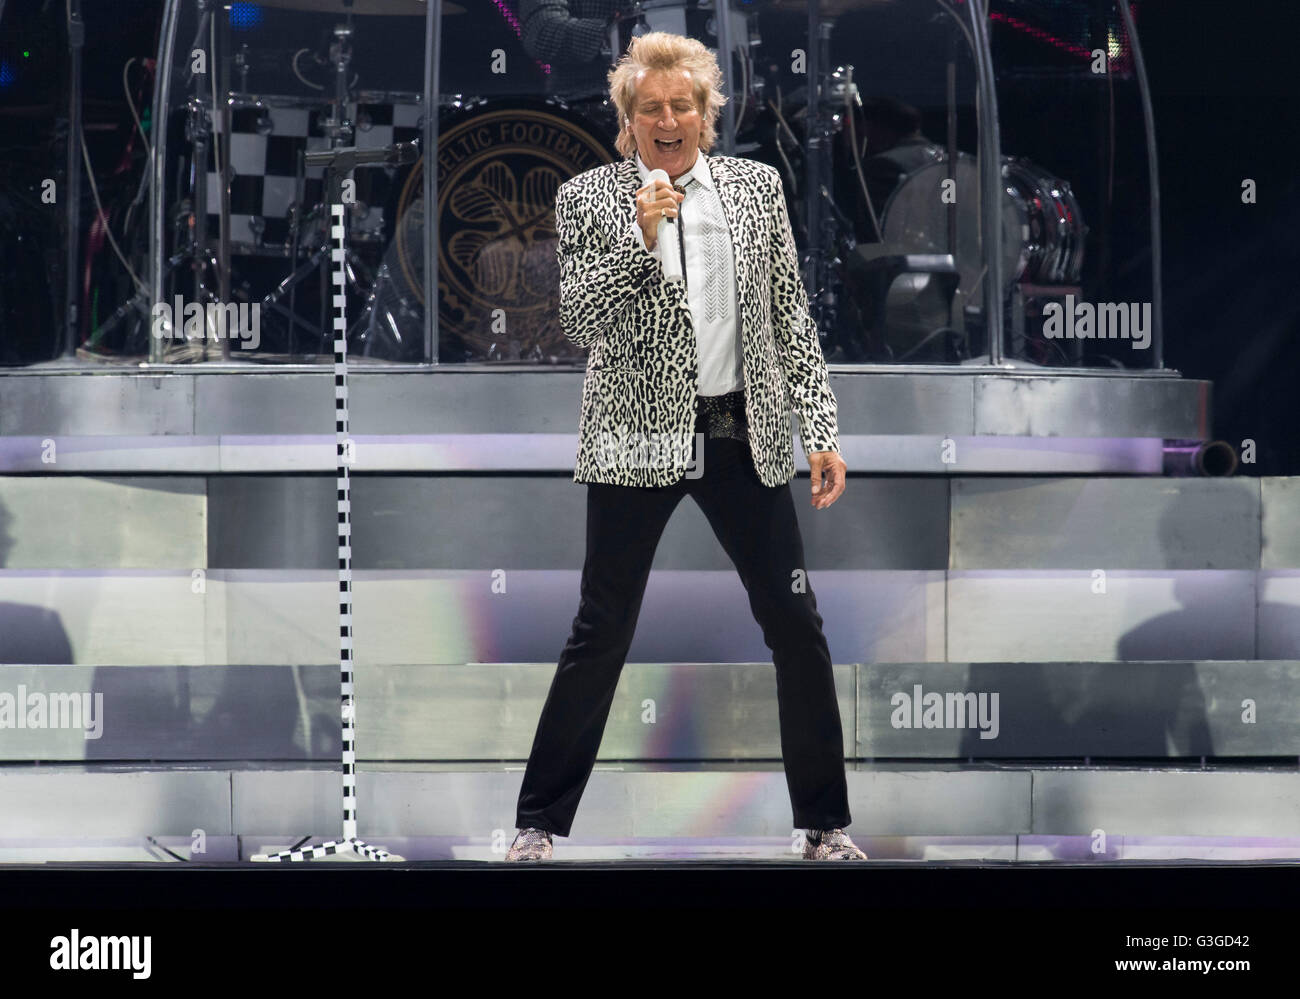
pixel 410 8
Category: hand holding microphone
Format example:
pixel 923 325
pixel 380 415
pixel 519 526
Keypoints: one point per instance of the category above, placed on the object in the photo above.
pixel 656 214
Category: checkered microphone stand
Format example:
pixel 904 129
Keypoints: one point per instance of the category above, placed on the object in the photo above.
pixel 344 453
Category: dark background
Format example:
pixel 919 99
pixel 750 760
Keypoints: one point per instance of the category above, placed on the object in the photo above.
pixel 1223 77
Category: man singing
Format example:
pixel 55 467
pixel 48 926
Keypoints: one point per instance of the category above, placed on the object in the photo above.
pixel 723 354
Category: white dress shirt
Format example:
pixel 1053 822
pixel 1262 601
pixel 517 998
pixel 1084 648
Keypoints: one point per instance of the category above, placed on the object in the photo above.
pixel 711 291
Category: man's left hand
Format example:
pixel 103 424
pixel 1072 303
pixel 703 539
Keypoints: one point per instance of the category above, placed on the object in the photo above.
pixel 828 477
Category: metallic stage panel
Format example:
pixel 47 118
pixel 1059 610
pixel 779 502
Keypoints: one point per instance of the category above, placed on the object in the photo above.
pixel 454 418
pixel 865 454
pixel 96 403
pixel 277 453
pixel 1130 710
pixel 1047 615
pixel 478 805
pixel 955 454
pixel 130 616
pixel 257 617
pixel 264 401
pixel 274 617
pixel 467 402
pixel 1277 617
pixel 421 522
pixel 460 617
pixel 269 617
pixel 1281 522
pixel 1167 802
pixel 273 522
pixel 905 404
pixel 1111 523
pixel 174 454
pixel 178 713
pixel 1046 405
pixel 629 802
pixel 662 712
pixel 673 711
pixel 88 801
pixel 78 522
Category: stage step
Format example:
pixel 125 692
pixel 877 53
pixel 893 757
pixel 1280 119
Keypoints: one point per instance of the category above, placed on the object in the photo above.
pixel 241 570
pixel 902 811
pixel 1156 712
pixel 250 417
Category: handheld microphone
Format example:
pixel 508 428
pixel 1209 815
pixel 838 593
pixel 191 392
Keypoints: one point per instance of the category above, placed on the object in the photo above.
pixel 669 237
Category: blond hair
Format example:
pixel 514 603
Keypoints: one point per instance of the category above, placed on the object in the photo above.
pixel 662 50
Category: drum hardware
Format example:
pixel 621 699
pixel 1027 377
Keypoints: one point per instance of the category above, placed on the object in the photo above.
pixel 193 237
pixel 337 127
pixel 380 286
pixel 1026 299
pixel 279 209
pixel 340 158
pixel 388 8
pixel 138 303
pixel 337 163
pixel 191 222
pixel 1042 229
pixel 242 66
pixel 76 31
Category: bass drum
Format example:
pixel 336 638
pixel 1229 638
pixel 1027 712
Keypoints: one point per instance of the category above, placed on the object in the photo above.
pixel 500 163
pixel 1042 230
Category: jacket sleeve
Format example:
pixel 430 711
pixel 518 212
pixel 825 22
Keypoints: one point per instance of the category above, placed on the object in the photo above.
pixel 597 281
pixel 797 345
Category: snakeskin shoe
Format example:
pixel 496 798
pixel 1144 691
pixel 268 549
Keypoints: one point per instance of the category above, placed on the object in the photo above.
pixel 531 844
pixel 834 845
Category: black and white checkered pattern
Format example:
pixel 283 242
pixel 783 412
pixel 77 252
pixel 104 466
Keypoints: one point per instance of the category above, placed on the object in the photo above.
pixel 343 452
pixel 345 455
pixel 264 164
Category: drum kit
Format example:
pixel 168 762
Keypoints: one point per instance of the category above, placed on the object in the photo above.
pixel 500 161
pixel 914 288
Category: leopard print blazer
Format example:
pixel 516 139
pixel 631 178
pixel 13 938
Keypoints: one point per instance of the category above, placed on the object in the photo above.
pixel 638 398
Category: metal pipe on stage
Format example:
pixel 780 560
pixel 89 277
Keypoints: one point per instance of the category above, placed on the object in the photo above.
pixel 990 157
pixel 722 24
pixel 1211 458
pixel 161 102
pixel 1153 174
pixel 432 104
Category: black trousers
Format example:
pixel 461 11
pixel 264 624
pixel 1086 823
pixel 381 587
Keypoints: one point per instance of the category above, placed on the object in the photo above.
pixel 757 527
